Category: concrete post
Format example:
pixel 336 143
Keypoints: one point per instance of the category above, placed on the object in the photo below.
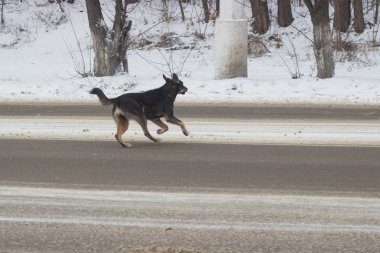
pixel 231 41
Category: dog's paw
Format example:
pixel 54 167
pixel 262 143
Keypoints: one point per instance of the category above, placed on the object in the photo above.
pixel 161 131
pixel 186 133
pixel 127 145
pixel 157 139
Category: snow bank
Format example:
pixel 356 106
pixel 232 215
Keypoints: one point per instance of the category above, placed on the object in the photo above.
pixel 37 61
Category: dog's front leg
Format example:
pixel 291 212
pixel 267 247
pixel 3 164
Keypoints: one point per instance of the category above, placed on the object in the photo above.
pixel 161 124
pixel 178 122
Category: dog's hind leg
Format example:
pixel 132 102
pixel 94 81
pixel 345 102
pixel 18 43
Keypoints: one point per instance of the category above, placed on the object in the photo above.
pixel 161 124
pixel 143 123
pixel 122 126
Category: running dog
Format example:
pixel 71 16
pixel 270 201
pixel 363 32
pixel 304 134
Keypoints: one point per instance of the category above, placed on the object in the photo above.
pixel 149 105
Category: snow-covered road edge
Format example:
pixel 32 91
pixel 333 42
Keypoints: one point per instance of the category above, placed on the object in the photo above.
pixel 199 211
pixel 260 131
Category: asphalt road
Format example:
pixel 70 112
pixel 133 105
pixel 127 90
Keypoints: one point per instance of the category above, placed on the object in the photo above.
pixel 246 112
pixel 90 196
pixel 94 196
pixel 191 166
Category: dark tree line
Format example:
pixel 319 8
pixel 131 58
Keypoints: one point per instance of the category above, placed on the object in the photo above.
pixel 111 44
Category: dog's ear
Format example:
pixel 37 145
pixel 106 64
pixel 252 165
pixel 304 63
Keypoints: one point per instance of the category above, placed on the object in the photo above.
pixel 175 78
pixel 165 78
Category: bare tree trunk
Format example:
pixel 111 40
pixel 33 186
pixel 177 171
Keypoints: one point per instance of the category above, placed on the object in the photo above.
pixel 260 14
pixel 342 16
pixel 99 32
pixel 182 13
pixel 122 33
pixel 165 10
pixel 205 10
pixel 59 2
pixel 358 16
pixel 284 13
pixel 376 18
pixel 2 12
pixel 323 51
pixel 110 46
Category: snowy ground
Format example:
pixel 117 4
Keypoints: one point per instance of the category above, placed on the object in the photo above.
pixel 37 63
pixel 258 131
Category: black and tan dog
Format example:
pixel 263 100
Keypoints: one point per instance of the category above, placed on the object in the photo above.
pixel 149 105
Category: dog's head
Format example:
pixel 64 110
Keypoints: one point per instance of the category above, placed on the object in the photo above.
pixel 175 84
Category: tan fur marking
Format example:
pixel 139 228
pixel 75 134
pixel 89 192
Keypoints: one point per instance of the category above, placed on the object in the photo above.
pixel 122 126
pixel 118 112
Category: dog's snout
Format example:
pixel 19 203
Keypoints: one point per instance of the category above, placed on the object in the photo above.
pixel 183 90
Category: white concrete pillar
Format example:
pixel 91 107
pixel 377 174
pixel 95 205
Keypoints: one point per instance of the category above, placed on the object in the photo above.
pixel 231 41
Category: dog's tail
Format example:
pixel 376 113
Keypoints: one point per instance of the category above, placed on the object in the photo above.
pixel 104 100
